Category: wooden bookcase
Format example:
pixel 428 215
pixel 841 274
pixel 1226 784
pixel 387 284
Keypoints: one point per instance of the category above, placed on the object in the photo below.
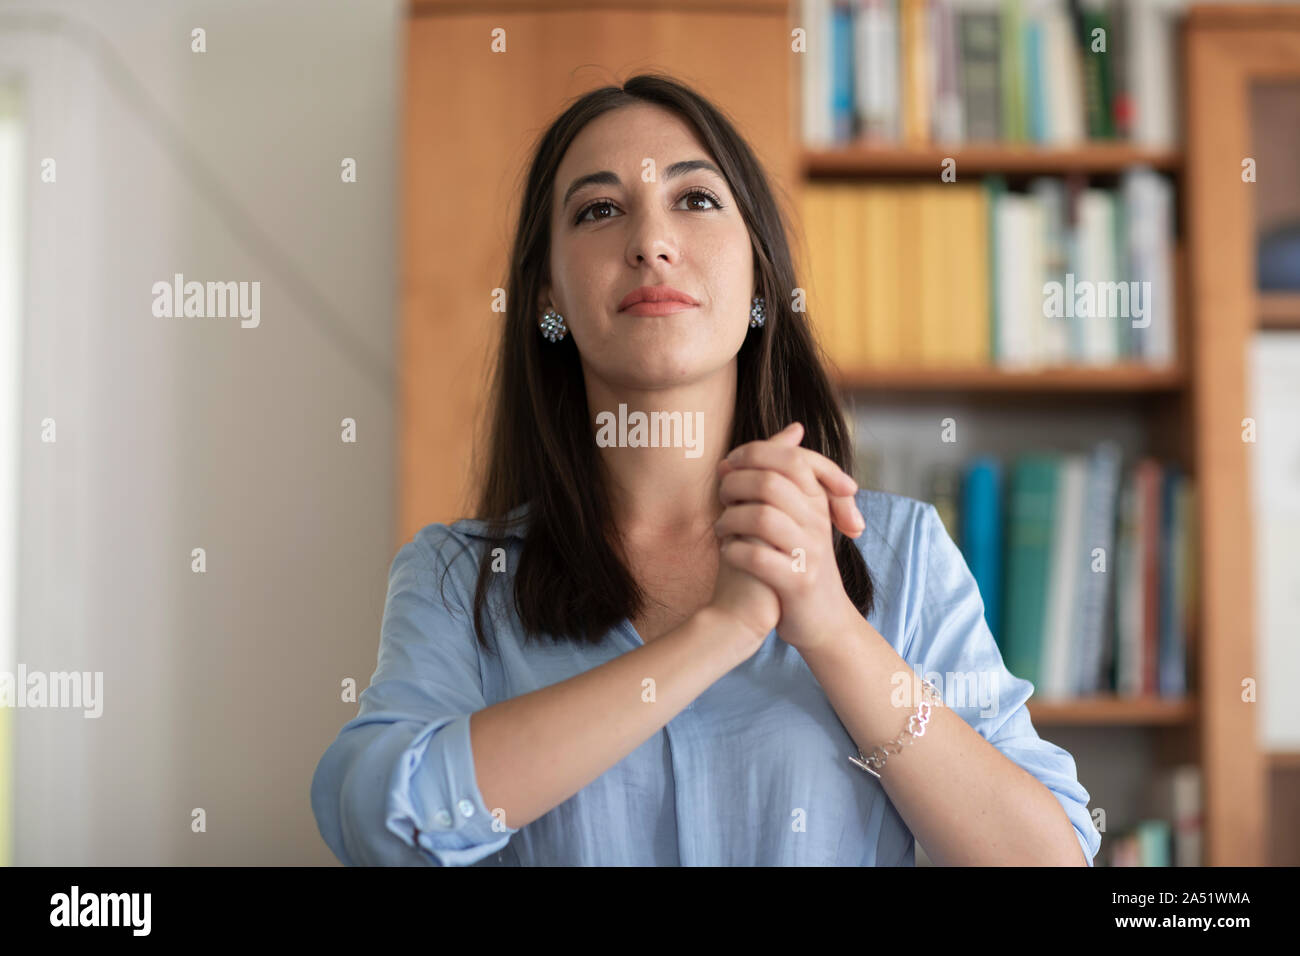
pixel 1195 408
pixel 1229 48
pixel 470 116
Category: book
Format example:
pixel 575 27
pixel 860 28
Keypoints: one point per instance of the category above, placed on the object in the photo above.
pixel 1031 505
pixel 921 72
pixel 1176 798
pixel 980 540
pixel 844 124
pixel 1011 73
pixel 1064 563
pixel 1096 569
pixel 815 74
pixel 1171 673
pixel 978 37
pixel 881 274
pixel 915 67
pixel 876 48
pixel 1127 652
pixel 846 293
pixel 1150 557
pixel 947 115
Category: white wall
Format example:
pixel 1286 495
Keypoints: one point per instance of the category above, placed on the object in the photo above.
pixel 221 689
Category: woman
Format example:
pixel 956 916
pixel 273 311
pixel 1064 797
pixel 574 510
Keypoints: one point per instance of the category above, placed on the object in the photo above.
pixel 644 652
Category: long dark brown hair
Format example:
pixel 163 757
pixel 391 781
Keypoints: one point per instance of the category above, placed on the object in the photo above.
pixel 571 583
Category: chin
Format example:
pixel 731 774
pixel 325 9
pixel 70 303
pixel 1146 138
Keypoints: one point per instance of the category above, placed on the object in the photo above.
pixel 667 369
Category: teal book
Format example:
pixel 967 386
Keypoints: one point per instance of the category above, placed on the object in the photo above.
pixel 1031 505
pixel 1154 839
pixel 980 514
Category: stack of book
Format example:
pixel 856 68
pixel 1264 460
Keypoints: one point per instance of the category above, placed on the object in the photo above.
pixel 1171 839
pixel 1052 72
pixel 957 275
pixel 1084 565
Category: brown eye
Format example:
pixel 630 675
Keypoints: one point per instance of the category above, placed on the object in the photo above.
pixel 589 207
pixel 706 195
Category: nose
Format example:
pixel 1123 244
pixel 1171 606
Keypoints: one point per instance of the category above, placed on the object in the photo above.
pixel 651 238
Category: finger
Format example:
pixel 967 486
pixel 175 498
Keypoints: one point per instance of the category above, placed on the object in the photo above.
pixel 759 560
pixel 766 486
pixel 774 488
pixel 790 436
pixel 846 515
pixel 768 454
pixel 765 522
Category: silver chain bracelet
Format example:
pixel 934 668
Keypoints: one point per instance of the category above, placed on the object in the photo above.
pixel 875 760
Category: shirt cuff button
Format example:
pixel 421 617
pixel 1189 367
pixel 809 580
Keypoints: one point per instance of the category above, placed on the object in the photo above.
pixel 466 808
pixel 442 818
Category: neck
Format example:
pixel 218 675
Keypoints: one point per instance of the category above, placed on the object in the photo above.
pixel 669 491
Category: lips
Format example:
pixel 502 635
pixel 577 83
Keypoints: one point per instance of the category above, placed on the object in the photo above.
pixel 656 300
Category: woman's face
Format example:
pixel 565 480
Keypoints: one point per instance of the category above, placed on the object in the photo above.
pixel 647 222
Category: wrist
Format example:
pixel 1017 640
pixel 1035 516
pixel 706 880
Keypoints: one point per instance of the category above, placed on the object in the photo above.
pixel 833 633
pixel 724 628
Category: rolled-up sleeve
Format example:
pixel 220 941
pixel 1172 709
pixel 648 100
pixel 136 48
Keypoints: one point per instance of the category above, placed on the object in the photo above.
pixel 397 786
pixel 950 643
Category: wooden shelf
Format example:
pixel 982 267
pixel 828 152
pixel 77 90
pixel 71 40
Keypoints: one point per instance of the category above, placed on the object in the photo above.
pixel 1112 710
pixel 1118 378
pixel 1278 310
pixel 864 159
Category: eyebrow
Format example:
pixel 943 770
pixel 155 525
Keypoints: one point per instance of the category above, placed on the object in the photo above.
pixel 607 178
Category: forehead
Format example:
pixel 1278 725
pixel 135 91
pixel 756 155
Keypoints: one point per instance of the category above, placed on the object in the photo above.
pixel 621 139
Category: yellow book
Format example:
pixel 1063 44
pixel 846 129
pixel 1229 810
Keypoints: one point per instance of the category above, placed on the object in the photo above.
pixel 868 338
pixel 973 272
pixel 817 270
pixel 950 254
pixel 882 275
pixel 915 66
pixel 909 266
pixel 934 251
pixel 858 338
pixel 847 297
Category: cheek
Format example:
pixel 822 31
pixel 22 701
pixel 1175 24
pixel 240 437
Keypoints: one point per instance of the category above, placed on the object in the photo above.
pixel 731 270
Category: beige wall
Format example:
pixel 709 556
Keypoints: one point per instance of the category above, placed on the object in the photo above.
pixel 221 690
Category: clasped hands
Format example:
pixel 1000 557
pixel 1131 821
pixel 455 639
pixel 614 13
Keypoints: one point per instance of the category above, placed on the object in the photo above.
pixel 779 504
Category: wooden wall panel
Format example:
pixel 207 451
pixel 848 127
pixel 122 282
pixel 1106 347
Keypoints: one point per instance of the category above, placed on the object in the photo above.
pixel 471 116
pixel 1227 50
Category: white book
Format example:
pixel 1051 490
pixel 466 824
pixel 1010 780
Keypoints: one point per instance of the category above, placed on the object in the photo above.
pixel 1149 210
pixel 1064 77
pixel 816 65
pixel 1151 70
pixel 876 68
pixel 1019 296
pixel 1057 673
pixel 1049 194
pixel 1029 266
pixel 1096 265
pixel 1098 530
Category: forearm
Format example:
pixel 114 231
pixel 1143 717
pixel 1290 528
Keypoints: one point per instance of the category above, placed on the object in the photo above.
pixel 963 800
pixel 534 751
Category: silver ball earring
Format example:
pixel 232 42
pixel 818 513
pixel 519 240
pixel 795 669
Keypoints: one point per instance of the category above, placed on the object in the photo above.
pixel 757 313
pixel 552 325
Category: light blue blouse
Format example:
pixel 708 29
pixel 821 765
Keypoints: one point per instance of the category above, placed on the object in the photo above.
pixel 754 772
